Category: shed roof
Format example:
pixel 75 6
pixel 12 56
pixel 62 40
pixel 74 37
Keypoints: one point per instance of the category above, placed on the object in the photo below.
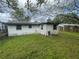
pixel 69 25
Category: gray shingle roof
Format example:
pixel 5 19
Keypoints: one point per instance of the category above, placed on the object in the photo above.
pixel 24 23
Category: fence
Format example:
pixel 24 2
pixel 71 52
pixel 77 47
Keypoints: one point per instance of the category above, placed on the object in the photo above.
pixel 69 28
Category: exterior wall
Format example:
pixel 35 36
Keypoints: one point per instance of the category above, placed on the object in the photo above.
pixel 43 31
pixel 56 31
pixel 12 31
pixel 50 28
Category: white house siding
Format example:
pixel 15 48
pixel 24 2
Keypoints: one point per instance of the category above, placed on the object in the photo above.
pixel 43 31
pixel 56 31
pixel 49 28
pixel 12 31
pixel 46 28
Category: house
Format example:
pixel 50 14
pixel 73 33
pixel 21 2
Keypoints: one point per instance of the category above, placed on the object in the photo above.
pixel 69 27
pixel 22 28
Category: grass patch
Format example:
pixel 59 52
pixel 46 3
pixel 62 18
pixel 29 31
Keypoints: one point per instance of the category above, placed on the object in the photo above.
pixel 35 46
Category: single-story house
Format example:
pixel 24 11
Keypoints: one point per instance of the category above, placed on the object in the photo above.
pixel 22 28
pixel 69 27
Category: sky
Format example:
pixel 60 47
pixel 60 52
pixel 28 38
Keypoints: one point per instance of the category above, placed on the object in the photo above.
pixel 5 17
pixel 22 2
pixel 21 5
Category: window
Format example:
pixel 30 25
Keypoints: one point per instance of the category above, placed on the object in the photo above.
pixel 41 27
pixel 55 27
pixel 30 26
pixel 18 27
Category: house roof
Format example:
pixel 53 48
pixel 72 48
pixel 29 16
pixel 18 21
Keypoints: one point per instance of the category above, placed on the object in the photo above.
pixel 25 23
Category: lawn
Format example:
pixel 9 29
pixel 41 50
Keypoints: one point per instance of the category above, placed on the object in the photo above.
pixel 35 46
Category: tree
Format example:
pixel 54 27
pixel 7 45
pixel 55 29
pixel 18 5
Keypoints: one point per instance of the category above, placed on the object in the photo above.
pixel 18 13
pixel 3 6
pixel 12 4
pixel 40 2
pixel 49 20
pixel 42 7
pixel 70 18
pixel 69 5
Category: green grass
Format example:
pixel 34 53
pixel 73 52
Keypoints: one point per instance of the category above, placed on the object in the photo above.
pixel 63 46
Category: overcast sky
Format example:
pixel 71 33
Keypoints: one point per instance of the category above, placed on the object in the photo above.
pixel 22 2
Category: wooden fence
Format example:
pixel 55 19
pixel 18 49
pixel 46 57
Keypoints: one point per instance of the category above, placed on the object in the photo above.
pixel 2 34
pixel 69 28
